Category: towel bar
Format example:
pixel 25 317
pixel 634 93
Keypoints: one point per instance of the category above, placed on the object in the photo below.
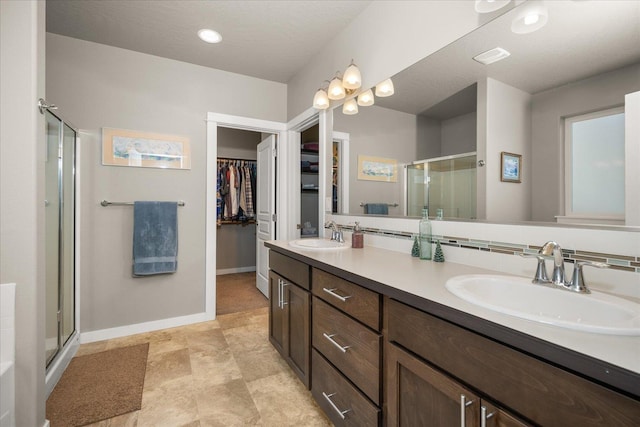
pixel 393 205
pixel 106 203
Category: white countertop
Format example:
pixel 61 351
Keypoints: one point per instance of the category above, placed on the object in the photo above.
pixel 426 279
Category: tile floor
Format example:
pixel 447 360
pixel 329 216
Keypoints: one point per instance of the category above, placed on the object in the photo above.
pixel 218 373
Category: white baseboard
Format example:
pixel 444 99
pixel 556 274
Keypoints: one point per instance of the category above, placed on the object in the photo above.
pixel 235 270
pixel 46 423
pixel 62 360
pixel 139 328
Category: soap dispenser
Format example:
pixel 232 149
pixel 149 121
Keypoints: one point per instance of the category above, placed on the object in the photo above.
pixel 357 237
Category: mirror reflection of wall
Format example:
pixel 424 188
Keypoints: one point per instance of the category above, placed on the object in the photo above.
pixel 586 59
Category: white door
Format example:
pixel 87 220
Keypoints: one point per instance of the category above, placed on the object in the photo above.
pixel 266 201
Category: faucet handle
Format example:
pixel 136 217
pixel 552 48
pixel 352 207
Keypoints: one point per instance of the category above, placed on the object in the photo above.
pixel 541 271
pixel 577 281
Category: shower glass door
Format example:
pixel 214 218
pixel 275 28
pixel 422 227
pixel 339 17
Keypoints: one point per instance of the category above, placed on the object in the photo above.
pixel 59 234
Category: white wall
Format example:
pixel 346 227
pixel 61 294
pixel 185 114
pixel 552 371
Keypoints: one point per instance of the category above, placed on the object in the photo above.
pixel 22 136
pixel 387 37
pixel 508 128
pixel 549 108
pixel 99 86
pixel 378 132
pixel 631 156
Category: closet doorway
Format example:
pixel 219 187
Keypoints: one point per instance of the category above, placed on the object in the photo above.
pixel 237 217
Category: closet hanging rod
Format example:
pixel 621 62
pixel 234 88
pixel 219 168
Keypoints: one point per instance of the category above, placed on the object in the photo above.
pixel 224 159
pixel 106 203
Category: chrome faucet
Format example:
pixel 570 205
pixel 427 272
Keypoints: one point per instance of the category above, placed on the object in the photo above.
pixel 336 234
pixel 552 250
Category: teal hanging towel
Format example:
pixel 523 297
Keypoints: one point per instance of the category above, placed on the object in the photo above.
pixel 155 238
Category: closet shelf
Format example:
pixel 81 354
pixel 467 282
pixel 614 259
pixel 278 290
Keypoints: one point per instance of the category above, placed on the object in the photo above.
pixel 235 222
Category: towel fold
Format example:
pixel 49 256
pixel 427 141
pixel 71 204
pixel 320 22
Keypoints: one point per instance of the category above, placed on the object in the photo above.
pixel 376 209
pixel 155 238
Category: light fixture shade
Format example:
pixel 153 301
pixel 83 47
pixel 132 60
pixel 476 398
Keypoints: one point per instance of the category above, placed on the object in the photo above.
pixel 366 98
pixel 350 107
pixel 352 78
pixel 385 88
pixel 488 6
pixel 336 91
pixel 209 36
pixel 533 16
pixel 321 100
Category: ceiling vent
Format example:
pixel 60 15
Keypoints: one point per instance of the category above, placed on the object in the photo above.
pixel 491 56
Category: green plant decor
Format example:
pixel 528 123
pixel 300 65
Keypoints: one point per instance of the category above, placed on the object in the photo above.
pixel 415 250
pixel 438 256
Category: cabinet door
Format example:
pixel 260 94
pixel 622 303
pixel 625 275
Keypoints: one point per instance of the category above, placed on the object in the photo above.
pixel 492 416
pixel 276 313
pixel 418 395
pixel 297 326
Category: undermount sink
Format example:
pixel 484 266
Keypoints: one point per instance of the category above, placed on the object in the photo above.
pixel 517 296
pixel 319 244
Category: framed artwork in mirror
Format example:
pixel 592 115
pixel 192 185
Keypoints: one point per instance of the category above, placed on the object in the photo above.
pixel 510 167
pixel 377 169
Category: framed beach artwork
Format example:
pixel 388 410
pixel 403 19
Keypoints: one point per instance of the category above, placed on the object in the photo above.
pixel 510 167
pixel 377 169
pixel 122 147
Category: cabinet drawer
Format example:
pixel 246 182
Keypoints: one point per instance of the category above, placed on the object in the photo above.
pixel 350 346
pixel 291 269
pixel 353 299
pixel 335 395
pixel 543 393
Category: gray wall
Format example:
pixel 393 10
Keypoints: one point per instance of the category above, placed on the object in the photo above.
pixel 378 132
pixel 99 86
pixel 22 143
pixel 458 135
pixel 549 108
pixel 508 128
pixel 236 243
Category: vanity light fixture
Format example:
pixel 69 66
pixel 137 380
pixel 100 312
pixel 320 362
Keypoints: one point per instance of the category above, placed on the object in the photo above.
pixel 533 16
pixel 350 107
pixel 209 36
pixel 492 55
pixel 352 79
pixel 385 88
pixel 336 90
pixel 321 100
pixel 366 98
pixel 488 6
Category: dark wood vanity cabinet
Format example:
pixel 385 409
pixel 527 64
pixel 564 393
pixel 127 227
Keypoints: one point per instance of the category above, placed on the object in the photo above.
pixel 427 355
pixel 347 349
pixel 289 313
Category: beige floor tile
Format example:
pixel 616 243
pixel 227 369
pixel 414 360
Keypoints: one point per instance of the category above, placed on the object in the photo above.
pixel 282 400
pixel 201 326
pixel 211 337
pixel 166 367
pixel 228 404
pixel 92 347
pixel 260 362
pixel 176 342
pixel 234 320
pixel 246 338
pixel 124 420
pixel 170 404
pixel 213 366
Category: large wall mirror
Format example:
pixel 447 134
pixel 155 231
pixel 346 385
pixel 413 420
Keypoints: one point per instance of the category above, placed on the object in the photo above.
pixel 512 114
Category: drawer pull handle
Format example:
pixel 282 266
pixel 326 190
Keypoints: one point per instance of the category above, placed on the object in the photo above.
pixel 333 405
pixel 484 416
pixel 334 294
pixel 330 338
pixel 463 409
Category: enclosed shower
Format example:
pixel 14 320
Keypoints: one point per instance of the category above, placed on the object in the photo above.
pixel 59 167
pixel 444 185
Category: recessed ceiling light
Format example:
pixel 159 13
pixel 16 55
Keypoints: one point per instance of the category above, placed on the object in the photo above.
pixel 533 15
pixel 209 36
pixel 491 56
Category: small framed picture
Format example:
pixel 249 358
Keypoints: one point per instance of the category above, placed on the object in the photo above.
pixel 510 167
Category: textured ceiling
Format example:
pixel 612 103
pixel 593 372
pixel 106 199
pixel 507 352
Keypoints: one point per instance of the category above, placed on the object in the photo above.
pixel 271 40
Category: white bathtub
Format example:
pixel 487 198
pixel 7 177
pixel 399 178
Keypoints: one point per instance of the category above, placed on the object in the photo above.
pixel 7 354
